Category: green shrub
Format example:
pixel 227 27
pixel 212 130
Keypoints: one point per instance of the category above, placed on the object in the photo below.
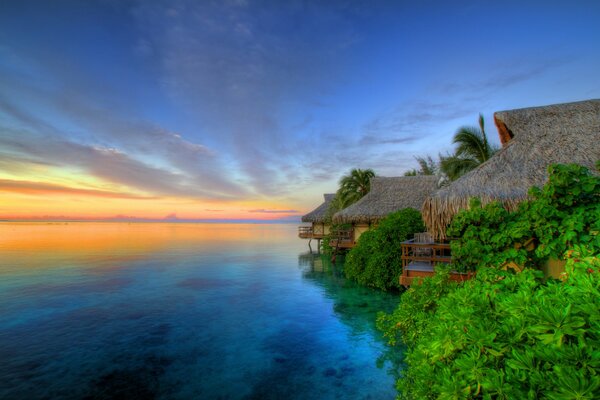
pixel 376 259
pixel 507 336
pixel 564 213
pixel 417 305
pixel 504 335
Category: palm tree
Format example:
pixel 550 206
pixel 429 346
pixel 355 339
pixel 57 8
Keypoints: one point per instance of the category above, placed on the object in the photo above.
pixel 427 166
pixel 354 186
pixel 473 150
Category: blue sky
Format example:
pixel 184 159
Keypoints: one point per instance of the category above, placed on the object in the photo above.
pixel 263 105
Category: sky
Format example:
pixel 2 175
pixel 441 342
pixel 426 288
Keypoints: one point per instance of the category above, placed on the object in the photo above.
pixel 241 109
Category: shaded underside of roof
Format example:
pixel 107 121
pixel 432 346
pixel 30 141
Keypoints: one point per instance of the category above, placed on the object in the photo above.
pixel 541 136
pixel 319 213
pixel 386 196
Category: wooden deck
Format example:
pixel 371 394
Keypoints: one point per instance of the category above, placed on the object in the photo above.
pixel 342 239
pixel 419 261
pixel 307 232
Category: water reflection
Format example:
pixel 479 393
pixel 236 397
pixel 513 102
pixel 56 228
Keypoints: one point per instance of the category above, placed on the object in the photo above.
pixel 355 305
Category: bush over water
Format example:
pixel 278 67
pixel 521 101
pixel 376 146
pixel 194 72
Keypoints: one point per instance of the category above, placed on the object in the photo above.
pixel 376 259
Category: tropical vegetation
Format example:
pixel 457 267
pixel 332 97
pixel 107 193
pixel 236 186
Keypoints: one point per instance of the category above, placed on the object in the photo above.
pixel 427 166
pixel 564 213
pixel 503 335
pixel 352 187
pixel 472 148
pixel 375 261
pixel 507 335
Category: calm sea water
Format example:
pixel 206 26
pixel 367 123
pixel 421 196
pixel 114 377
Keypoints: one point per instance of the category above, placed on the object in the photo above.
pixel 182 311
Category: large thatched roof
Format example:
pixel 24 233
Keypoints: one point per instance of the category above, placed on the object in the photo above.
pixel 319 213
pixel 386 196
pixel 533 139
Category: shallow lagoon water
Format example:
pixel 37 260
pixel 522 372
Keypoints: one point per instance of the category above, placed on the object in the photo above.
pixel 182 311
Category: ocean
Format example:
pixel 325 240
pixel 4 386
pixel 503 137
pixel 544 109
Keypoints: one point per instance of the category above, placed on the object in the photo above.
pixel 183 311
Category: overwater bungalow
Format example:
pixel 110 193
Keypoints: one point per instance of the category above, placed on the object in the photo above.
pixel 386 196
pixel 532 139
pixel 319 226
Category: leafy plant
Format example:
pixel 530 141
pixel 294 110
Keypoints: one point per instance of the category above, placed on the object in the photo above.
pixel 376 259
pixel 472 150
pixel 354 186
pixel 565 212
pixel 505 336
pixel 410 319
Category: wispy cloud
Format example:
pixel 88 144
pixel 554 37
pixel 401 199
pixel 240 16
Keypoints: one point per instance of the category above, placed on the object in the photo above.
pixel 41 188
pixel 265 211
pixel 502 76
pixel 237 66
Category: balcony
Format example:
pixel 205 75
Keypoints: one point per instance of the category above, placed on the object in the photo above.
pixel 305 232
pixel 342 239
pixel 309 232
pixel 421 255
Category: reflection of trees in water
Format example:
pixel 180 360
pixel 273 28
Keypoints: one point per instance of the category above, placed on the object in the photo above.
pixel 356 306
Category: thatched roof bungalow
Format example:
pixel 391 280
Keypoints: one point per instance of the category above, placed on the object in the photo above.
pixel 319 214
pixel 386 196
pixel 318 219
pixel 532 139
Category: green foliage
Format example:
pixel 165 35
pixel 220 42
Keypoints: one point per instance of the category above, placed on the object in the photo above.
pixel 565 212
pixel 472 150
pixel 505 336
pixel 376 259
pixel 418 304
pixel 353 187
pixel 427 166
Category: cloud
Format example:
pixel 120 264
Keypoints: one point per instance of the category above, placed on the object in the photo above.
pixel 264 211
pixel 502 76
pixel 193 169
pixel 238 69
pixel 108 164
pixel 43 189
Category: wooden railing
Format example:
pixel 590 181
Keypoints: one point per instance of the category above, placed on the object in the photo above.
pixel 305 232
pixel 343 238
pixel 430 253
pixel 419 260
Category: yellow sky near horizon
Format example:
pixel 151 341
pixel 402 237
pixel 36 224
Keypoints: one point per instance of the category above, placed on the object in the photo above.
pixel 48 193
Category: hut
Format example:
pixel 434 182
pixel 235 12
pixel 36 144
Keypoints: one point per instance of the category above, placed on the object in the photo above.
pixel 532 139
pixel 386 196
pixel 318 219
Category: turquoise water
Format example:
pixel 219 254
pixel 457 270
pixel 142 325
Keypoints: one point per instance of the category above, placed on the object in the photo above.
pixel 182 311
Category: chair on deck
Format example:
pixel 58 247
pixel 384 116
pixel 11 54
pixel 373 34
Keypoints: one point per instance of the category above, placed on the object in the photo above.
pixel 426 238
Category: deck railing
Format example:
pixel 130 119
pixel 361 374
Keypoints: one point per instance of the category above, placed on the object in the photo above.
pixel 343 238
pixel 426 253
pixel 305 232
pixel 419 260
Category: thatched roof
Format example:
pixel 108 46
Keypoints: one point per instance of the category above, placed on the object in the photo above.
pixel 533 138
pixel 386 196
pixel 319 213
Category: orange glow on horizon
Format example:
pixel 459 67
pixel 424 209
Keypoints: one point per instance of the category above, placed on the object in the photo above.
pixel 20 206
pixel 55 194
